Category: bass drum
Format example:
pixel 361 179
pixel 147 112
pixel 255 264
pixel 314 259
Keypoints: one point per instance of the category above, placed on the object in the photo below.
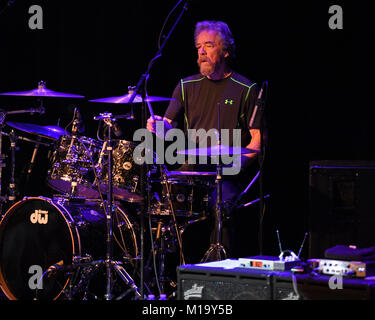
pixel 37 233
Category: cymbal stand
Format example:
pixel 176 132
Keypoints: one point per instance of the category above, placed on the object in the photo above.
pixel 2 158
pixel 171 208
pixel 13 139
pixel 12 182
pixel 109 262
pixel 217 250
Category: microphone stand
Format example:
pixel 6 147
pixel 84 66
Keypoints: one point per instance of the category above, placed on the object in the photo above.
pixel 141 88
pixel 259 107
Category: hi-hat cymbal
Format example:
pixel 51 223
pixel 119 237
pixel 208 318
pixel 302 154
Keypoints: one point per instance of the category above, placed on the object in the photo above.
pixel 42 91
pixel 217 150
pixel 126 98
pixel 52 132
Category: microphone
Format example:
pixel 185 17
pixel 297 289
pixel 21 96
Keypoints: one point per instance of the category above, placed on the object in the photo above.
pixel 259 104
pixel 54 268
pixel 78 125
pixel 116 129
pixel 59 266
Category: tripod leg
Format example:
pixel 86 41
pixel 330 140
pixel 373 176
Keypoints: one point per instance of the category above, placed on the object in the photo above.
pixel 216 251
pixel 126 278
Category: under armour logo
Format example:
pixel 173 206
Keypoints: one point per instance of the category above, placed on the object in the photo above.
pixel 228 101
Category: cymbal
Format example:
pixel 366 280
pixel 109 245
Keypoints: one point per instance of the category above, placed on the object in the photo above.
pixel 42 91
pixel 126 98
pixel 217 150
pixel 52 132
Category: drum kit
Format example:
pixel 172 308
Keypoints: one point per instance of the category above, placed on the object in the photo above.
pixel 81 243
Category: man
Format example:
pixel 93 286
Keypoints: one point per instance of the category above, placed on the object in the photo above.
pixel 217 92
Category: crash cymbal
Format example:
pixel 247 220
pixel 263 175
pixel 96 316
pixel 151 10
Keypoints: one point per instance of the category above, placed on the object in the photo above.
pixel 217 150
pixel 126 98
pixel 42 91
pixel 52 132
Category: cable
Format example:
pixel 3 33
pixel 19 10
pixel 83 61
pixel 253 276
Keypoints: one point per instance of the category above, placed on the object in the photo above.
pixel 154 255
pixel 263 146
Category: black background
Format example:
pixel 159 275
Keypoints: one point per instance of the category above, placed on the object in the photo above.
pixel 320 98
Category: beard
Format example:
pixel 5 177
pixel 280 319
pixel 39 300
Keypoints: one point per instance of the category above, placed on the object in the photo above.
pixel 206 67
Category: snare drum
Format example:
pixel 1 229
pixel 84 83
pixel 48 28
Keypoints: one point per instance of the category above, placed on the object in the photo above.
pixel 189 196
pixel 73 163
pixel 37 232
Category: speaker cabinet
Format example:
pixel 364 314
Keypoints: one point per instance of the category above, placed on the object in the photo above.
pixel 203 282
pixel 342 206
pixel 285 286
pixel 209 281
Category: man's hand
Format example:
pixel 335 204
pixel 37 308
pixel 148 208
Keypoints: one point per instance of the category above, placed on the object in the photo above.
pixel 152 124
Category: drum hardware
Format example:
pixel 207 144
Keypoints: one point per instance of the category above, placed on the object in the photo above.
pixel 216 250
pixel 109 263
pixel 173 215
pixel 13 139
pixel 166 234
pixel 12 182
pixel 164 242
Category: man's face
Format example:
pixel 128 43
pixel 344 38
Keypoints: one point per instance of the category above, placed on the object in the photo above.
pixel 211 55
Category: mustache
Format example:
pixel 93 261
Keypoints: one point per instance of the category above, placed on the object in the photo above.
pixel 204 59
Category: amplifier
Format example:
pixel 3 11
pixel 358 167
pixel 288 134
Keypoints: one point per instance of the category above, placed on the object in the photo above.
pixel 222 280
pixel 268 263
pixel 358 269
pixel 225 280
pixel 341 205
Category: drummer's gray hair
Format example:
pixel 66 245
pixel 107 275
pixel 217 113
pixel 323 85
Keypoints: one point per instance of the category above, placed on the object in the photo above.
pixel 222 29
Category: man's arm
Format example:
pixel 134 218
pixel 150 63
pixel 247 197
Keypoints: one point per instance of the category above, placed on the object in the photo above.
pixel 254 144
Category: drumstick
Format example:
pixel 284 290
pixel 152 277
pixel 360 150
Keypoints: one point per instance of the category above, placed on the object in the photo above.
pixel 150 109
